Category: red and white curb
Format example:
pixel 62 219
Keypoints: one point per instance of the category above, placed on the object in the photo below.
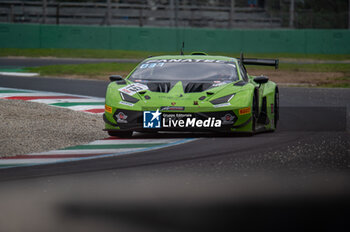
pixel 98 149
pixel 87 104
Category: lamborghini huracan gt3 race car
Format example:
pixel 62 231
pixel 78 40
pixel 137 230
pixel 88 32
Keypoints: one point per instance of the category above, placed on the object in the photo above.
pixel 192 93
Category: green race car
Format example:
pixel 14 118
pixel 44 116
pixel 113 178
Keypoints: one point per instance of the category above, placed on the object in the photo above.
pixel 192 93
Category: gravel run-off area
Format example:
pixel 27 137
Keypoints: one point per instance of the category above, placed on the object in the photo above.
pixel 28 127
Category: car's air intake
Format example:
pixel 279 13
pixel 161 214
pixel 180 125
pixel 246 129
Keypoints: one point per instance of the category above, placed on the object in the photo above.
pixel 196 87
pixel 161 87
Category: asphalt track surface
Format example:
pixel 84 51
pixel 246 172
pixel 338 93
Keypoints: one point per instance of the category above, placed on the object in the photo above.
pixel 294 179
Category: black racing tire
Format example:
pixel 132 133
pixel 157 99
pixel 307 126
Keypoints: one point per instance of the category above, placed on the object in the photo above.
pixel 254 113
pixel 276 108
pixel 120 134
pixel 256 103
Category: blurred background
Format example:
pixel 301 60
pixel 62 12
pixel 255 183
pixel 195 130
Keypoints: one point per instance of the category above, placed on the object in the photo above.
pixel 309 37
pixel 182 13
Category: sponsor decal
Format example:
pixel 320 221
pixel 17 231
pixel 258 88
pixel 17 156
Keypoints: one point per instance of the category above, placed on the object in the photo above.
pixel 126 103
pixel 121 117
pixel 159 63
pixel 228 119
pixel 156 119
pixel 222 105
pixel 219 83
pixel 133 88
pixel 244 111
pixel 108 109
pixel 151 65
pixel 174 108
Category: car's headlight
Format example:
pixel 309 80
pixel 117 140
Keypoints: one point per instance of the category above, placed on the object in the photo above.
pixel 128 98
pixel 221 100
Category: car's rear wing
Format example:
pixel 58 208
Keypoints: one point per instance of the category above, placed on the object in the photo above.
pixel 255 61
pixel 264 62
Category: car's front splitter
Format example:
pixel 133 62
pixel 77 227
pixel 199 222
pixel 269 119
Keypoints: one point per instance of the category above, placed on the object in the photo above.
pixel 133 121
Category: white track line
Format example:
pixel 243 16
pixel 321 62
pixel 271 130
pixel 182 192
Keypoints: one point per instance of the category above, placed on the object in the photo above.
pixel 43 92
pixel 85 151
pixel 39 94
pixel 19 74
pixel 82 107
pixel 53 101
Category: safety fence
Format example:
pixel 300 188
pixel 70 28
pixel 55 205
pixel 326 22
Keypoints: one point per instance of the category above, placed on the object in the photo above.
pixel 308 41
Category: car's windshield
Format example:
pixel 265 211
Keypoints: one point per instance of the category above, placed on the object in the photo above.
pixel 185 70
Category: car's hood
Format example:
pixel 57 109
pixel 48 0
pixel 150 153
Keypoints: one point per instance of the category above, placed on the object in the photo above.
pixel 179 94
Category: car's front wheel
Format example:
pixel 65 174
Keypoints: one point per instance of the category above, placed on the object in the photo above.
pixel 255 112
pixel 120 134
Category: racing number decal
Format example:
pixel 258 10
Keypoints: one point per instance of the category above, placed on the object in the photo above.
pixel 133 88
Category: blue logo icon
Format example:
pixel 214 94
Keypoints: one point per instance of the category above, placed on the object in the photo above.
pixel 151 119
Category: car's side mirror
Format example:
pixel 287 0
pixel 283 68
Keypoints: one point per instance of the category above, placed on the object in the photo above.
pixel 261 80
pixel 115 78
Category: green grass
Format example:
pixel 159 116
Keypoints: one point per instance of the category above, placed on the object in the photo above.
pixel 317 67
pixel 120 54
pixel 108 68
pixel 345 78
pixel 11 69
pixel 335 85
pixel 337 57
pixel 78 53
pixel 83 69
